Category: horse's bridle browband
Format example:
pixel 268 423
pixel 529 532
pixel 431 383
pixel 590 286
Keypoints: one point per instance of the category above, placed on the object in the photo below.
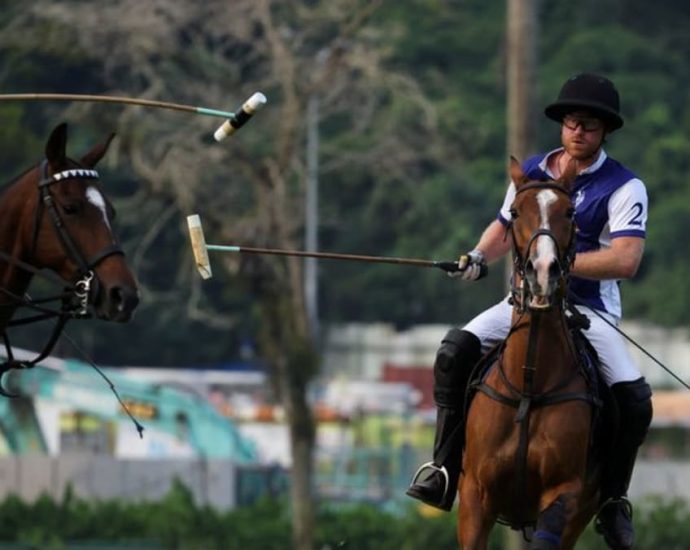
pixel 76 298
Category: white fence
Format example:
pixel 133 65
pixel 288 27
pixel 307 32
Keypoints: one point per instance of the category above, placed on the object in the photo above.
pixel 212 482
pixel 223 484
pixel 360 350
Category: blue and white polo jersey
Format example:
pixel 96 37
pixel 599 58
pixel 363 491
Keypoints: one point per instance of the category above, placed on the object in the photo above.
pixel 610 201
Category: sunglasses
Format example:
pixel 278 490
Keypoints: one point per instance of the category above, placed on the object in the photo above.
pixel 587 124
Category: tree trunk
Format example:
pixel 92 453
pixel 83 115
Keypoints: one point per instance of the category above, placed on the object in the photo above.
pixel 521 61
pixel 294 363
pixel 521 31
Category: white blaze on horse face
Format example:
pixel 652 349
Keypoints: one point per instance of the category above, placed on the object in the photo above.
pixel 546 248
pixel 95 197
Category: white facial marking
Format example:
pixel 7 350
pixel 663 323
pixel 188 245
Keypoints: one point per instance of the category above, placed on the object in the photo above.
pixel 546 248
pixel 95 197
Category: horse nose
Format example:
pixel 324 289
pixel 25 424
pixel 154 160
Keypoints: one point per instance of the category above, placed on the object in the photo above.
pixel 542 272
pixel 554 270
pixel 122 301
pixel 529 269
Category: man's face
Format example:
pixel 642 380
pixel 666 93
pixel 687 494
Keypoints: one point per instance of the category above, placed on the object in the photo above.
pixel 582 134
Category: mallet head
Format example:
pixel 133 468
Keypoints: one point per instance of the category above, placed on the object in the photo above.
pixel 196 234
pixel 249 107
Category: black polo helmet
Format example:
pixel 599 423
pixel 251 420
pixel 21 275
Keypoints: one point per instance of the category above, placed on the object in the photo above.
pixel 591 92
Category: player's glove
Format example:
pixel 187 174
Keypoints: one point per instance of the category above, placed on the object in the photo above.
pixel 471 266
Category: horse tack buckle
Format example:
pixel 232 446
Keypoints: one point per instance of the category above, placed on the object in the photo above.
pixel 82 290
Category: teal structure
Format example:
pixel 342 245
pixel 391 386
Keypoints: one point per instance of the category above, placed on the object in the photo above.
pixel 72 386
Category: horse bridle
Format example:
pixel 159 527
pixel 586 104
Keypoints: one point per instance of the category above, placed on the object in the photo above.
pixel 566 257
pixel 75 300
pixel 85 275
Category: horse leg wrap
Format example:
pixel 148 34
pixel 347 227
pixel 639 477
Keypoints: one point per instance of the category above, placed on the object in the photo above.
pixel 459 352
pixel 635 406
pixel 550 525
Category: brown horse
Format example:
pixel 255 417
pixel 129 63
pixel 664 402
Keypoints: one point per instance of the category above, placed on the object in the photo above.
pixel 54 219
pixel 528 426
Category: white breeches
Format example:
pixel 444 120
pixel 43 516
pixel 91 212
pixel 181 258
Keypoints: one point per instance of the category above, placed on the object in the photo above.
pixel 617 364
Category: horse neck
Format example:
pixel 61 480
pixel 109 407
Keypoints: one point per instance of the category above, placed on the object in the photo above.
pixel 15 239
pixel 553 359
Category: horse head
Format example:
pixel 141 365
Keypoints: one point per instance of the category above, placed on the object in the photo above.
pixel 67 227
pixel 543 231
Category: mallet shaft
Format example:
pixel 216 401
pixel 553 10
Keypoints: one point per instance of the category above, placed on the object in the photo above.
pixel 120 100
pixel 200 249
pixel 324 255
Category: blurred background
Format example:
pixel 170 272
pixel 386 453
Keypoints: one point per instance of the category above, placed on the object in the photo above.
pixel 286 403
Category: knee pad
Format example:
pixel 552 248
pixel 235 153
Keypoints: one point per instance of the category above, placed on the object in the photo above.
pixel 634 401
pixel 459 352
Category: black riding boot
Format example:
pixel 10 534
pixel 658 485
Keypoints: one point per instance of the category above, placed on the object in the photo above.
pixel 436 482
pixel 614 520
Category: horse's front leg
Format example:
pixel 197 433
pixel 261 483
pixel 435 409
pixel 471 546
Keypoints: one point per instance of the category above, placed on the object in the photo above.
pixel 551 523
pixel 577 524
pixel 474 519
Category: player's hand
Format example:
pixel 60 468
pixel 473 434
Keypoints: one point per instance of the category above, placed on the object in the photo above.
pixel 471 266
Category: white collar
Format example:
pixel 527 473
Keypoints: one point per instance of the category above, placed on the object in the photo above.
pixel 543 165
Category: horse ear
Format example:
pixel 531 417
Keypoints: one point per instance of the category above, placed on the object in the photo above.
pixel 516 174
pixel 56 145
pixel 569 174
pixel 91 158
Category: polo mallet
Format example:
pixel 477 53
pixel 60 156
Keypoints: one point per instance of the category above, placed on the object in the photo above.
pixel 233 123
pixel 203 263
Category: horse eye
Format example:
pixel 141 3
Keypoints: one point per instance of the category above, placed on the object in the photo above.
pixel 570 213
pixel 71 208
pixel 514 213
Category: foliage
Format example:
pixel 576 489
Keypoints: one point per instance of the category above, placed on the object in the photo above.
pixel 177 522
pixel 429 74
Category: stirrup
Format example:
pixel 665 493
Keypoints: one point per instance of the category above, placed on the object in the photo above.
pixel 623 500
pixel 609 529
pixel 432 466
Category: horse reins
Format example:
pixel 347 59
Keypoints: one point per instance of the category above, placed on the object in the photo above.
pixel 75 298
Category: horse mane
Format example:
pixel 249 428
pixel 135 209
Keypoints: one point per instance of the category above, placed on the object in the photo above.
pixel 14 180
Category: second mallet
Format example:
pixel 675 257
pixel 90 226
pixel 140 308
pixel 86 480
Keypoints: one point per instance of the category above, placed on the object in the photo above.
pixel 203 264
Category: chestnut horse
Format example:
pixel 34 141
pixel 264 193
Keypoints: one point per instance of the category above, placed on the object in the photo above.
pixel 55 222
pixel 528 426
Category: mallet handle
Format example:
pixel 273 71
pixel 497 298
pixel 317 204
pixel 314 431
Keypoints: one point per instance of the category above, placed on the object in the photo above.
pixel 446 266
